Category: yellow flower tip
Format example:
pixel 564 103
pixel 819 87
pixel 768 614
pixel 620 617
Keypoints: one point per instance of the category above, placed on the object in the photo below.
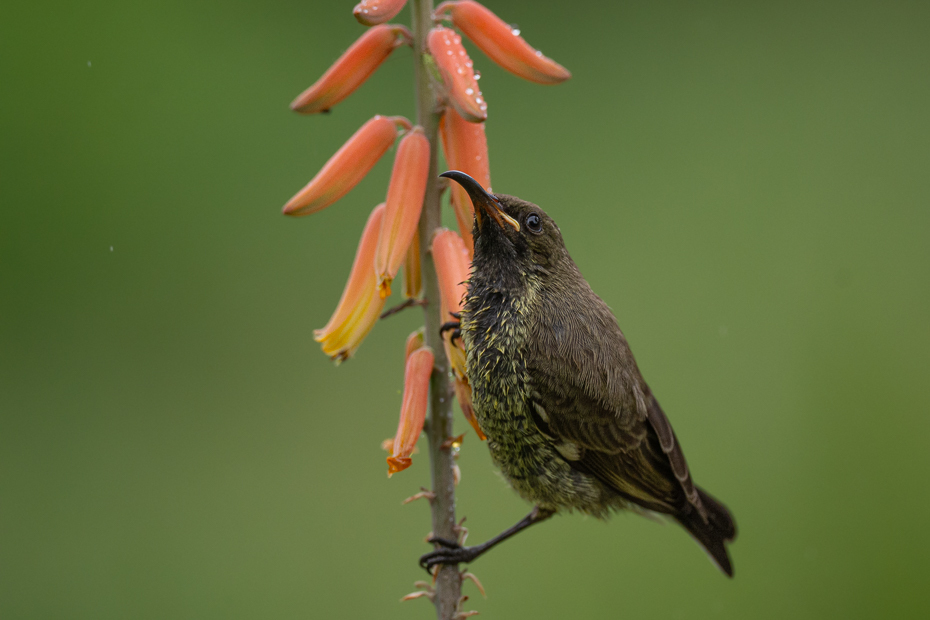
pixel 384 287
pixel 360 306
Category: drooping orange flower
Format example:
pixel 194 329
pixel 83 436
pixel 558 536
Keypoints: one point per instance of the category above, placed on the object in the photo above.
pixel 458 74
pixel 502 42
pixel 404 203
pixel 360 304
pixel 348 166
pixel 466 149
pixel 352 68
pixel 373 12
pixel 417 372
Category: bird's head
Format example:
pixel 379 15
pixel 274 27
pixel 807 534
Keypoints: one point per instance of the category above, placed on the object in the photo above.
pixel 511 235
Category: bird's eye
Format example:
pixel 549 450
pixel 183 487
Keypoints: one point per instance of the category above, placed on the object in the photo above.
pixel 534 223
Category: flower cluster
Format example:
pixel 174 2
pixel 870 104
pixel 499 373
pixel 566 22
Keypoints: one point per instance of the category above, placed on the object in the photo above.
pixel 390 240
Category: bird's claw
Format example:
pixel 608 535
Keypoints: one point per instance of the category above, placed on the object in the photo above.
pixel 450 552
pixel 455 326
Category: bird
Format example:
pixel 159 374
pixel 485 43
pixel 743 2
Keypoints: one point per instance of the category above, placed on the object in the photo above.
pixel 570 421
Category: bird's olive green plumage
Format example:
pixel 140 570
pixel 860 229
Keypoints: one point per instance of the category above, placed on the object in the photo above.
pixel 570 421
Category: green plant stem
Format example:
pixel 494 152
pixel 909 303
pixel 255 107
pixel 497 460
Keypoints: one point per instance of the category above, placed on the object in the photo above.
pixel 448 586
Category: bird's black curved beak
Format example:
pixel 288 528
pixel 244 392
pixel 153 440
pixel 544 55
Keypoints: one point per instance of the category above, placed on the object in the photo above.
pixel 485 203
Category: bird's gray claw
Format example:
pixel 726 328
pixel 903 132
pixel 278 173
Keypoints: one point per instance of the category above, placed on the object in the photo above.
pixel 450 552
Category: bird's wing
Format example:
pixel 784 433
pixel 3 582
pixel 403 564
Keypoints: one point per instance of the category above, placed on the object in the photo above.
pixel 590 398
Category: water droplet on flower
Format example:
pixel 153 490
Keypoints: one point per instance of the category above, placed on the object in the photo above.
pixel 477 75
pixel 469 91
pixel 515 32
pixel 539 53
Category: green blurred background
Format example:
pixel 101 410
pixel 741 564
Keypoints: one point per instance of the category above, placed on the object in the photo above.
pixel 746 184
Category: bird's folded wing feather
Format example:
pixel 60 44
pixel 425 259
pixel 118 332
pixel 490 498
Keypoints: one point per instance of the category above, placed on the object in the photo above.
pixel 590 398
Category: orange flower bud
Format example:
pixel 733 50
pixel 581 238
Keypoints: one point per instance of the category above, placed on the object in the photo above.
pixel 417 372
pixel 348 166
pixel 413 277
pixel 502 43
pixel 352 69
pixel 466 149
pixel 463 395
pixel 360 304
pixel 414 342
pixel 458 76
pixel 404 203
pixel 372 12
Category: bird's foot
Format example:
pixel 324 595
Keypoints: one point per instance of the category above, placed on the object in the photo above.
pixel 449 552
pixel 454 326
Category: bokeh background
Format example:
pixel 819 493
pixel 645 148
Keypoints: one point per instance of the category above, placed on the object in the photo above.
pixel 745 183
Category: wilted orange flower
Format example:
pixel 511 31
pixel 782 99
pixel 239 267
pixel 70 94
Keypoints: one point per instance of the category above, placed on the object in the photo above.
pixel 360 304
pixel 372 12
pixel 502 43
pixel 458 75
pixel 348 166
pixel 413 275
pixel 404 203
pixel 413 409
pixel 466 149
pixel 352 68
pixel 463 395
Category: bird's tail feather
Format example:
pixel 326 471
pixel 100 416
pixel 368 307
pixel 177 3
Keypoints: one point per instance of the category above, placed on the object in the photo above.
pixel 714 533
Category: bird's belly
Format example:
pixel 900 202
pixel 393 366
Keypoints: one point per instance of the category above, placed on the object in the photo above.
pixel 530 463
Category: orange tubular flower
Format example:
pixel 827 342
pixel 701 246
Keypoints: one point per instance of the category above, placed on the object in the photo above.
pixel 373 12
pixel 458 76
pixel 502 43
pixel 352 69
pixel 452 266
pixel 348 166
pixel 413 409
pixel 404 203
pixel 466 148
pixel 360 304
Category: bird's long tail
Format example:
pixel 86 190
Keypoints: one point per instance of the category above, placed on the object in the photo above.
pixel 714 533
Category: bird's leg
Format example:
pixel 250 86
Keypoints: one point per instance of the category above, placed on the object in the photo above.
pixel 455 326
pixel 450 552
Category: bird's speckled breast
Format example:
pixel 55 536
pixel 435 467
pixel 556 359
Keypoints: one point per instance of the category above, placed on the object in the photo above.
pixel 494 335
